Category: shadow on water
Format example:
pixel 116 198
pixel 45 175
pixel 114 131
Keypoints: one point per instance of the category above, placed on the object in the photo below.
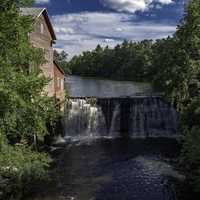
pixel 115 169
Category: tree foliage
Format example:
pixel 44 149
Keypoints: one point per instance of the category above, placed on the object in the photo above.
pixel 127 61
pixel 188 36
pixel 24 107
pixel 61 59
pixel 21 168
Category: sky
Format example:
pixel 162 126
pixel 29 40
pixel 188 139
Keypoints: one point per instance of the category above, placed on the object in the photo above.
pixel 81 25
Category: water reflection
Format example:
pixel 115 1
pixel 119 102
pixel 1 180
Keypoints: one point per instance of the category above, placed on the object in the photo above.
pixel 87 87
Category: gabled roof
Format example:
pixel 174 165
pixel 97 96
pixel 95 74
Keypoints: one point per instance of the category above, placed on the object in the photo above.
pixel 59 68
pixel 36 13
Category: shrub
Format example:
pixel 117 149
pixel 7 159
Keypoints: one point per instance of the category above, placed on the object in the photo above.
pixel 20 168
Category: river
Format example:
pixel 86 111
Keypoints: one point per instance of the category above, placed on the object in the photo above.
pixel 91 87
pixel 120 145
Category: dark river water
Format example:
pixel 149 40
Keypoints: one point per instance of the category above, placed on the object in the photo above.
pixel 115 169
pixel 97 162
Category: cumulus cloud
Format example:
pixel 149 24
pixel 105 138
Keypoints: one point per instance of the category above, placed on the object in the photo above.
pixel 42 1
pixel 133 5
pixel 79 32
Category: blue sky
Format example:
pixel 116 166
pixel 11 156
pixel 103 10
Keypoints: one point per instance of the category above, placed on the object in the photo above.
pixel 82 24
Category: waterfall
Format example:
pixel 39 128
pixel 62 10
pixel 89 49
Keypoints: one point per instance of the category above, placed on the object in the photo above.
pixel 83 118
pixel 115 122
pixel 152 117
pixel 138 117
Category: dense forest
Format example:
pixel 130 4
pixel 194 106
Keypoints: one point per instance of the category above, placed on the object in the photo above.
pixel 127 61
pixel 172 65
pixel 25 114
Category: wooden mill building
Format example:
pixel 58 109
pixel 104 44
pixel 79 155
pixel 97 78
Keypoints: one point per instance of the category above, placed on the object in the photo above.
pixel 43 37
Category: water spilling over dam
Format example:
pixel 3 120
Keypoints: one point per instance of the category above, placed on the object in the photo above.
pixel 136 117
pixel 103 108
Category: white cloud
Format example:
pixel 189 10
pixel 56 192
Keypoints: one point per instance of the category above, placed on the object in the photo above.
pixel 42 1
pixel 165 1
pixel 119 29
pixel 63 30
pixel 108 40
pixel 83 31
pixel 133 5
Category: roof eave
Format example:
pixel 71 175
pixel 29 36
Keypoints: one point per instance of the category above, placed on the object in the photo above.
pixel 60 69
pixel 46 16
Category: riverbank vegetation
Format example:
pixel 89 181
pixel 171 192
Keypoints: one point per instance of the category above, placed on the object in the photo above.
pixel 172 65
pixel 25 110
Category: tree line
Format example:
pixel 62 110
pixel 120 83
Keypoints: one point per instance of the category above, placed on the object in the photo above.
pixel 127 61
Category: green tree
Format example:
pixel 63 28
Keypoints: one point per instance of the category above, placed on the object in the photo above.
pixel 127 61
pixel 189 36
pixel 177 71
pixel 61 60
pixel 24 107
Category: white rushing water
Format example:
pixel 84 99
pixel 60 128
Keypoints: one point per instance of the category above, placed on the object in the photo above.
pixel 83 119
pixel 141 117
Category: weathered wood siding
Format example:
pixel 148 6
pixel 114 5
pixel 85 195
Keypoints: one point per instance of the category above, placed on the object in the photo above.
pixel 59 85
pixel 42 39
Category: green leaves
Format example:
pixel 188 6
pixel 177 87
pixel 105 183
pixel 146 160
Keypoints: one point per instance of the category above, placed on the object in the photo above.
pixel 188 40
pixel 21 167
pixel 61 60
pixel 128 61
pixel 25 109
